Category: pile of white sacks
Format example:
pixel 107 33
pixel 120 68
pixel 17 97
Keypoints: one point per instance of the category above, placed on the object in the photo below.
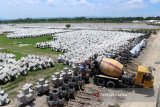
pixel 17 31
pixel 79 45
pixel 33 32
pixel 136 50
pixel 11 69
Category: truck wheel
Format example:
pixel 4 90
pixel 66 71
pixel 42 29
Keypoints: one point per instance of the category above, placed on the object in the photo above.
pixel 111 84
pixel 100 81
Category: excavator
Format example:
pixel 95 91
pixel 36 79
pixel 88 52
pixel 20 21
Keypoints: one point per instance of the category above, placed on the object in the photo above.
pixel 110 73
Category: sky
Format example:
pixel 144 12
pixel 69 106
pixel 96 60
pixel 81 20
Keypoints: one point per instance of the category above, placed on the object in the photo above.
pixel 13 9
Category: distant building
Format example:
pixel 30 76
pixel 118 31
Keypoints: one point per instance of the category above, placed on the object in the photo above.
pixel 156 22
pixel 135 21
pixel 138 21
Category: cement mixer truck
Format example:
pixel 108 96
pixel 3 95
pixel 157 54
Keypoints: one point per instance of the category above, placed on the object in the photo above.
pixel 109 72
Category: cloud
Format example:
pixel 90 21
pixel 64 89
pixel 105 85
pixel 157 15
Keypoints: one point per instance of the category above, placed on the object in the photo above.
pixel 33 1
pixel 133 4
pixel 80 2
pixel 73 8
pixel 67 3
pixel 51 2
pixel 17 3
pixel 154 1
pixel 128 4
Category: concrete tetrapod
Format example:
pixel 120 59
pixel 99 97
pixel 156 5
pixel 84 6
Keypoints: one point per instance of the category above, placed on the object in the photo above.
pixel 25 97
pixel 3 98
pixel 52 99
pixel 42 86
pixel 65 84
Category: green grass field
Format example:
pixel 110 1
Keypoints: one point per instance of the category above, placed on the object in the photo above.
pixel 13 46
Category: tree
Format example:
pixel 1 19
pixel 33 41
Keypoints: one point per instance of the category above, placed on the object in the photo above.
pixel 68 26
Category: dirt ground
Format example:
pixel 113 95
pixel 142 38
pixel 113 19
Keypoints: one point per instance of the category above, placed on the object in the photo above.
pixel 149 57
pixel 133 98
pixel 94 96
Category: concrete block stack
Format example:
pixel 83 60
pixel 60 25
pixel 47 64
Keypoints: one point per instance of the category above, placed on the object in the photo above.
pixel 25 96
pixel 65 84
pixel 3 98
pixel 42 86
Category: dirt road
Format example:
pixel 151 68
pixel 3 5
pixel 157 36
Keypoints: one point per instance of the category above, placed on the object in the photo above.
pixel 148 58
pixel 152 55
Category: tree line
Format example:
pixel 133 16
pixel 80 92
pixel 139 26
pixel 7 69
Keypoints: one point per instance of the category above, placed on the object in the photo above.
pixel 80 19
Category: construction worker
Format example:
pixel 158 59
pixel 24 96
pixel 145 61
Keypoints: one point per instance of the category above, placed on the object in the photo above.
pixel 88 62
pixel 83 69
pixel 84 74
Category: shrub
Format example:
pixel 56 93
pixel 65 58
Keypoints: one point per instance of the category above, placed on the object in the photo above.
pixel 68 26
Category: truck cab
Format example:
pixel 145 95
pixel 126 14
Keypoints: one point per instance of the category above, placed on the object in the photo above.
pixel 144 77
